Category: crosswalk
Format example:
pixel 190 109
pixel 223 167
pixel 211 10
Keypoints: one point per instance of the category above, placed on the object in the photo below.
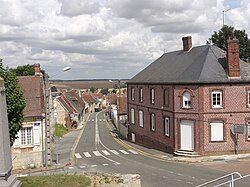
pixel 105 153
pixel 97 120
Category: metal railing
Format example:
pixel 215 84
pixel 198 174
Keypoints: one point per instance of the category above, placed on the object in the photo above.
pixel 230 182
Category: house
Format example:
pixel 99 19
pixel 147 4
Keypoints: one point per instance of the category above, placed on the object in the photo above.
pixel 190 101
pixel 90 101
pixel 69 109
pixel 28 148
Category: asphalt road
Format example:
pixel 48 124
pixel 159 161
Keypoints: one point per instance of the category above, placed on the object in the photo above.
pixel 99 150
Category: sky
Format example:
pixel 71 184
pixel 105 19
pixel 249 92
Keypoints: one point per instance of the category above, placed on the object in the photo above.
pixel 107 39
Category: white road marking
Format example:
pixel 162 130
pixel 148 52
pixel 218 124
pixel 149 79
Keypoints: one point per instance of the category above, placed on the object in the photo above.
pixel 132 151
pixel 93 165
pixel 92 120
pixel 82 167
pixel 97 153
pixel 105 164
pixel 77 155
pixel 86 154
pixel 105 152
pixel 114 152
pixel 124 152
pixel 71 167
pixel 104 120
pixel 189 183
pixel 100 119
pixel 89 120
pixel 117 163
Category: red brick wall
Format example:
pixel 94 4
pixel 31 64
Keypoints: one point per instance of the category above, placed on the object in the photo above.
pixel 235 111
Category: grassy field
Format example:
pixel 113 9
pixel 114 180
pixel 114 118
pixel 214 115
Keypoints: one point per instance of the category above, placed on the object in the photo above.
pixel 69 181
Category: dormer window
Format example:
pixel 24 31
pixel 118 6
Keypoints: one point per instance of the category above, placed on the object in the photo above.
pixel 186 100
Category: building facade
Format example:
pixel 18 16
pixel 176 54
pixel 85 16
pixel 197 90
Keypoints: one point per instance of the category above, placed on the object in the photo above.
pixel 190 101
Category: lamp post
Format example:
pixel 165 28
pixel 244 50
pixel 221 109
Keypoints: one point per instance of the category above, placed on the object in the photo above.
pixel 48 155
pixel 223 16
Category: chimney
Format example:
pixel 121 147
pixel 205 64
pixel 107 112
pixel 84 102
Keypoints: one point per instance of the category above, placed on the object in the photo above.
pixel 187 43
pixel 233 58
pixel 37 69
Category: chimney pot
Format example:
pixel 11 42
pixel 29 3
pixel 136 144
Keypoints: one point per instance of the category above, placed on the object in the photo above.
pixel 233 58
pixel 37 69
pixel 187 43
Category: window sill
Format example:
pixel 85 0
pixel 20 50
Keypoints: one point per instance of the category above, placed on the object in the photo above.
pixel 26 146
pixel 217 141
pixel 186 108
pixel 217 107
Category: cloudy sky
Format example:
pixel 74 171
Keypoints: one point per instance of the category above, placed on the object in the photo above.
pixel 107 38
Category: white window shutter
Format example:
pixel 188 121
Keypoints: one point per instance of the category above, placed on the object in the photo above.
pixel 17 142
pixel 36 135
pixel 217 131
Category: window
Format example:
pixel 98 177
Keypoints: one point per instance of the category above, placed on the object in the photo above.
pixel 141 94
pixel 152 121
pixel 166 97
pixel 217 99
pixel 248 130
pixel 132 115
pixel 217 129
pixel 133 94
pixel 248 98
pixel 26 136
pixel 152 95
pixel 186 100
pixel 141 118
pixel 166 126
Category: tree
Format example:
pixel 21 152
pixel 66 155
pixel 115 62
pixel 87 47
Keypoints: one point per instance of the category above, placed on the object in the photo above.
pixel 15 102
pixel 25 70
pixel 53 89
pixel 92 89
pixel 220 40
pixel 104 91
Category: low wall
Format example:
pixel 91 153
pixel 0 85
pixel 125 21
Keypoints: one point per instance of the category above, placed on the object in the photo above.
pixel 27 160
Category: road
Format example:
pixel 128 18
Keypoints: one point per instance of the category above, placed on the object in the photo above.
pixel 99 150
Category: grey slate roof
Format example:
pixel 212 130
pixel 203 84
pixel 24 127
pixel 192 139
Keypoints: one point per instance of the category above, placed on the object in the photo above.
pixel 202 64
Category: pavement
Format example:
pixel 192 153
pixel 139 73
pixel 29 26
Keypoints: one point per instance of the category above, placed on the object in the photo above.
pixel 64 149
pixel 66 146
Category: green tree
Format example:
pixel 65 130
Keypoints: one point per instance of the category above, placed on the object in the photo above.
pixel 25 70
pixel 220 40
pixel 15 102
pixel 104 91
pixel 53 89
pixel 92 89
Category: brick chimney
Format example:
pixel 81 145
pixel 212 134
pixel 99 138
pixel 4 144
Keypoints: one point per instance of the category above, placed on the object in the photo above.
pixel 187 43
pixel 233 58
pixel 37 69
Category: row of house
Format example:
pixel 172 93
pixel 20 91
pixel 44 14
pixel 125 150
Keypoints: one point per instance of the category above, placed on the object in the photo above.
pixel 67 108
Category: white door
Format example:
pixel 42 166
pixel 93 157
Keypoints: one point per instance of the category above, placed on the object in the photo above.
pixel 187 135
pixel 133 137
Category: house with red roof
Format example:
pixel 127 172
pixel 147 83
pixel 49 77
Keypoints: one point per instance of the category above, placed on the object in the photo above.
pixel 28 148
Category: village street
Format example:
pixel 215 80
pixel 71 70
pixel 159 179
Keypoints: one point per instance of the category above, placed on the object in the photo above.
pixel 99 150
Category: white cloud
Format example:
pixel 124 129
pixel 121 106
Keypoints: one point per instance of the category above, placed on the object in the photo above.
pixel 107 38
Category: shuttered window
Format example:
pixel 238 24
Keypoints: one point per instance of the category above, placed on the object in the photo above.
pixel 141 118
pixel 217 131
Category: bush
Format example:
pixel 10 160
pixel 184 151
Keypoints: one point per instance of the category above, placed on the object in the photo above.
pixel 60 130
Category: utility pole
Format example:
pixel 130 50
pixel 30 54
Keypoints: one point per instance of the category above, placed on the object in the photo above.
pixel 47 123
pixel 6 179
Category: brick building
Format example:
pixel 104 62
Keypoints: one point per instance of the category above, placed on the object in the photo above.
pixel 188 101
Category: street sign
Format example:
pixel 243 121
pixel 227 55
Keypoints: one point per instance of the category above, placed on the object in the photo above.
pixel 238 129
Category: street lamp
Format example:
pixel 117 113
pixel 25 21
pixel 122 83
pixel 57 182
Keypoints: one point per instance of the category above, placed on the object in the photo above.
pixel 223 16
pixel 48 155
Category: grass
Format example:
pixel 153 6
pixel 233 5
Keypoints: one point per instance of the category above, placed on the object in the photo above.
pixel 64 180
pixel 55 181
pixel 60 130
